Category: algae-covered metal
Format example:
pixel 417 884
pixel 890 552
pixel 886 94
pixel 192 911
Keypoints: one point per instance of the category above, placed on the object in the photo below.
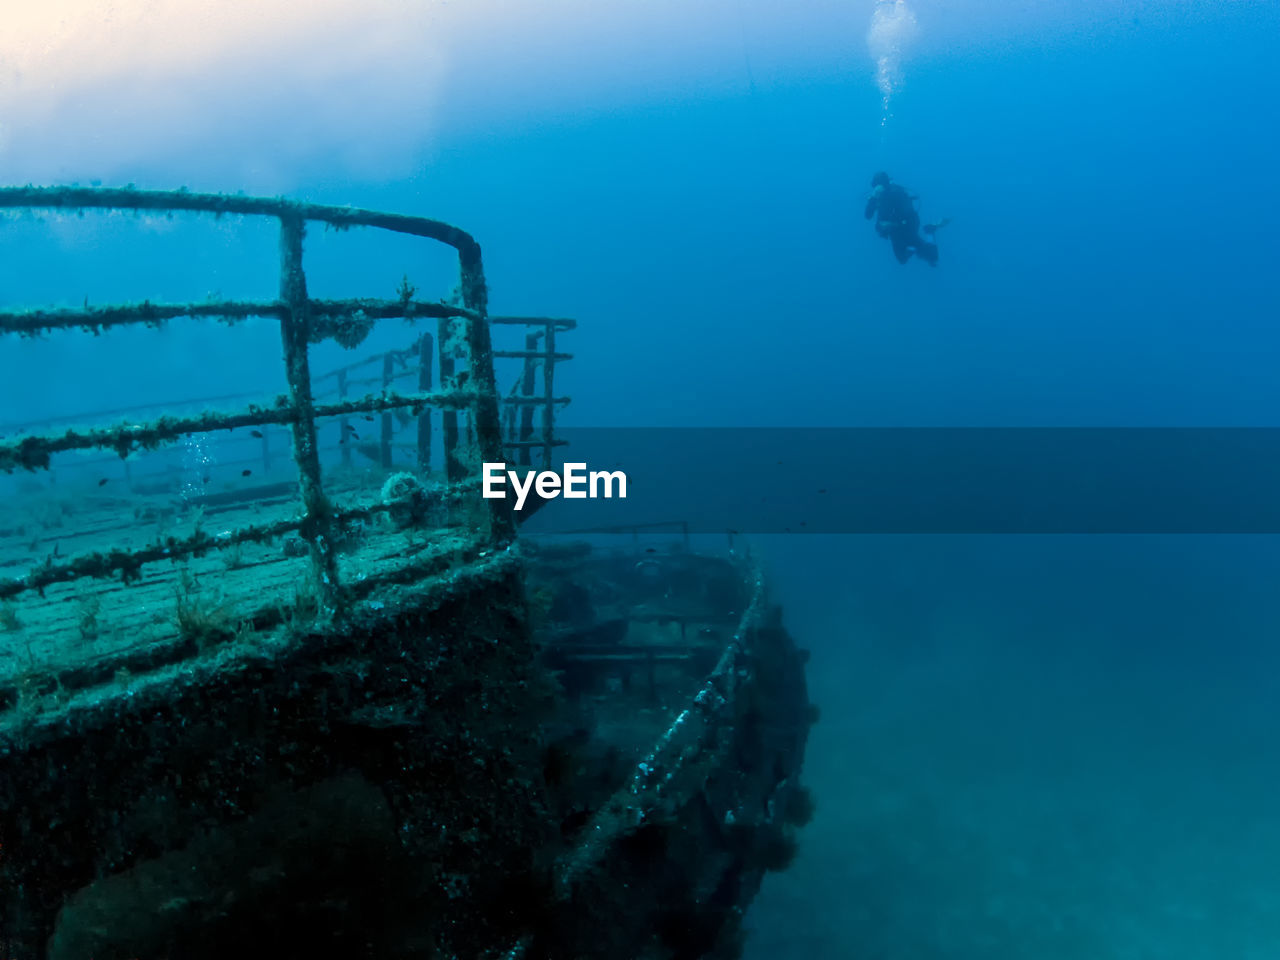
pixel 466 352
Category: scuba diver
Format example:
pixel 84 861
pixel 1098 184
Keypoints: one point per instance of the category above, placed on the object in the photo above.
pixel 897 219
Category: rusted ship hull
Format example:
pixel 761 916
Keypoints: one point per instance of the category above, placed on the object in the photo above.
pixel 423 782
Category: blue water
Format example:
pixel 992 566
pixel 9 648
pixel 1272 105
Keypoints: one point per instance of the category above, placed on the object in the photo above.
pixel 1061 748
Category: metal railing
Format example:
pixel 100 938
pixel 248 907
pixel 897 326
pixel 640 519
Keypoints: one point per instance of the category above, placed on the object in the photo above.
pixel 466 381
pixel 409 363
pixel 525 396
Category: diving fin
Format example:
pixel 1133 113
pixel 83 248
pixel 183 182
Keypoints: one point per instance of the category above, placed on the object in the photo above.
pixel 932 228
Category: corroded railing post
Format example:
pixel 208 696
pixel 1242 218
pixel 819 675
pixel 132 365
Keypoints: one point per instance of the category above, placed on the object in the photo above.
pixel 486 415
pixel 294 329
pixel 549 397
pixel 525 453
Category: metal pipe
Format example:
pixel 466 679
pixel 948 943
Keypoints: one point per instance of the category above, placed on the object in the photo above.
pixel 487 416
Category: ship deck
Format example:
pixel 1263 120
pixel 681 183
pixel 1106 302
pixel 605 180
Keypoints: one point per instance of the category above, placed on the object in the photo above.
pixel 76 632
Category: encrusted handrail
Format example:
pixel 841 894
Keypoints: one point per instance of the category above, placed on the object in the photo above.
pixel 33 452
pixel 219 204
pixel 690 740
pixel 330 318
pixel 466 354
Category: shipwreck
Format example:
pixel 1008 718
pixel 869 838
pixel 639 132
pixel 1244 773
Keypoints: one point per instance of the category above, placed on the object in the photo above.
pixel 338 705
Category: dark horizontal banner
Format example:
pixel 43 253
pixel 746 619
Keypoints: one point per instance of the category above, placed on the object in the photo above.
pixel 819 480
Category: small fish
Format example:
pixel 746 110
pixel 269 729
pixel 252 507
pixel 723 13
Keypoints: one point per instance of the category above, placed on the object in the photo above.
pixel 650 550
pixel 245 473
pixel 102 482
pixel 256 433
pixel 370 418
pixel 823 490
pixel 206 478
pixel 352 431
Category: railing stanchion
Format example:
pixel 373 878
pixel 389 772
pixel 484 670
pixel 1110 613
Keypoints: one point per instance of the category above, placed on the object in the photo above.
pixel 526 390
pixel 549 405
pixel 294 330
pixel 487 418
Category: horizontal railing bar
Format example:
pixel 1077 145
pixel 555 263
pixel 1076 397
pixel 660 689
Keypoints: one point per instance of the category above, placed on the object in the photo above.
pixel 379 309
pixel 523 400
pixel 535 443
pixel 531 355
pixel 117 411
pixel 128 562
pixel 33 452
pixel 33 322
pixel 277 453
pixel 102 198
pixel 380 403
pixel 561 323
pixel 13 425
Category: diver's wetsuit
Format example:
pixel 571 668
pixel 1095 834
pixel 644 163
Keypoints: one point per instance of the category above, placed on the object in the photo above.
pixel 897 219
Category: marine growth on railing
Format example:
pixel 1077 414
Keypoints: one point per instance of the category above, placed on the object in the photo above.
pixel 466 375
